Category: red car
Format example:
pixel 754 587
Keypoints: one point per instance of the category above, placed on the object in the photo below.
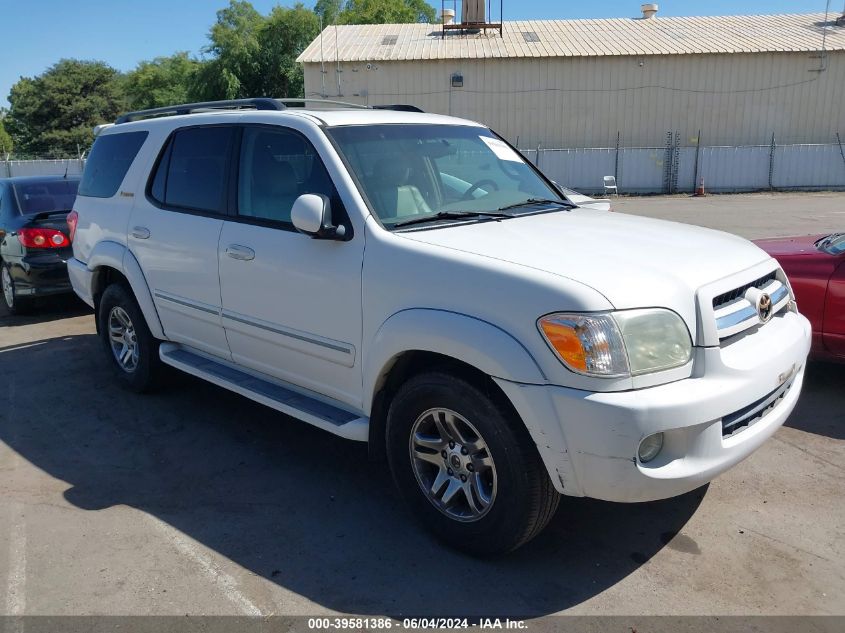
pixel 815 265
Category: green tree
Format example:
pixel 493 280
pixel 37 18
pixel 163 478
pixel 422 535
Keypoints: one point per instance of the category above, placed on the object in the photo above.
pixel 386 12
pixel 328 10
pixel 5 140
pixel 284 35
pixel 253 55
pixel 54 114
pixel 160 82
pixel 234 67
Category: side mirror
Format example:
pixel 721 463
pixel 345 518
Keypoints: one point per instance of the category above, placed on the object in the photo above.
pixel 312 214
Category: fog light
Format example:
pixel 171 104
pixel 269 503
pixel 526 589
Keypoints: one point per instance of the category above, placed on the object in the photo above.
pixel 650 447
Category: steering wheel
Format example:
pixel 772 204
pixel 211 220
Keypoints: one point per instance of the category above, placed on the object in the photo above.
pixel 477 185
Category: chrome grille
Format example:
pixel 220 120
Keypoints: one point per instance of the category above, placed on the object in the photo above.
pixel 736 293
pixel 736 310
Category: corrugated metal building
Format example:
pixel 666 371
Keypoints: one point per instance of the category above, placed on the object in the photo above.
pixel 577 83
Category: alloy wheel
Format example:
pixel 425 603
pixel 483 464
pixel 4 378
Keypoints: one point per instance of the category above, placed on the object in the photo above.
pixel 8 287
pixel 453 465
pixel 123 339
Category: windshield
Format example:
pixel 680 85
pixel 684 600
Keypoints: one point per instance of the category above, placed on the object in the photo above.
pixel 833 244
pixel 408 172
pixel 45 196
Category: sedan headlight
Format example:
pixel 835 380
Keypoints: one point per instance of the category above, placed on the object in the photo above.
pixel 618 344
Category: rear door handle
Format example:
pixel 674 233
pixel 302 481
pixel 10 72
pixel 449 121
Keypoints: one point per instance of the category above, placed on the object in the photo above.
pixel 236 251
pixel 141 232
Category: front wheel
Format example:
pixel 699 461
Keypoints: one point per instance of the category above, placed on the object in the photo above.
pixel 130 347
pixel 467 466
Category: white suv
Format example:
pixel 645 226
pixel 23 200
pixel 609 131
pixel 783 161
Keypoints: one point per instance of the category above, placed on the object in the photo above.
pixel 409 280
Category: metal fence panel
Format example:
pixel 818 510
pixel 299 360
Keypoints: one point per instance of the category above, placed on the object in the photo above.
pixel 581 168
pixel 735 168
pixel 11 168
pixel 641 169
pixel 687 178
pixel 808 166
pixel 724 169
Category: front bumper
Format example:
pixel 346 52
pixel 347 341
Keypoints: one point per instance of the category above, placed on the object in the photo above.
pixel 40 275
pixel 589 440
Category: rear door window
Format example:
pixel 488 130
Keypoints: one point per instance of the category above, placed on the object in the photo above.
pixel 110 159
pixel 194 169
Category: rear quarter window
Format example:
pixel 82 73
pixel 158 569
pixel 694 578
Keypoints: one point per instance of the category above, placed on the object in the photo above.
pixel 108 163
pixel 192 173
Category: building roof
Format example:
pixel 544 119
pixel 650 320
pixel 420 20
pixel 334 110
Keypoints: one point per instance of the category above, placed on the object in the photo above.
pixel 580 38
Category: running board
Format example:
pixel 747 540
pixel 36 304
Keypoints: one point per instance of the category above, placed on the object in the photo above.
pixel 274 395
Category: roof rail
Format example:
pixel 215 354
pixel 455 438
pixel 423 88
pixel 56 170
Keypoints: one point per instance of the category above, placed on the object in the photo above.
pixel 262 103
pixel 292 102
pixel 401 107
pixel 346 104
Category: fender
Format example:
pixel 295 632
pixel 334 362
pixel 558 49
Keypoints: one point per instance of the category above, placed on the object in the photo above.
pixel 479 343
pixel 117 256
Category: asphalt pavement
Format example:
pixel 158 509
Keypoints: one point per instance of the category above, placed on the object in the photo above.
pixel 194 500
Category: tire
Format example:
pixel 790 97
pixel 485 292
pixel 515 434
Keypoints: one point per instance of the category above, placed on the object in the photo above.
pixel 510 501
pixel 139 366
pixel 14 305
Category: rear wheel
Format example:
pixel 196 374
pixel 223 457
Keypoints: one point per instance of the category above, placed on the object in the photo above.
pixel 467 466
pixel 130 347
pixel 14 305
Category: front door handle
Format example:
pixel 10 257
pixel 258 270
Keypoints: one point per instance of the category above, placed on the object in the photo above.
pixel 236 251
pixel 141 232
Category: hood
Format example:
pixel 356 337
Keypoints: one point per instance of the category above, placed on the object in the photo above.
pixel 800 245
pixel 633 261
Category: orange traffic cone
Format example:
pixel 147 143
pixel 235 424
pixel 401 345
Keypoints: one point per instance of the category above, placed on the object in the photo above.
pixel 699 191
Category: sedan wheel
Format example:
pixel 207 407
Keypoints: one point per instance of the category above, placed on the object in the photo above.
pixel 8 288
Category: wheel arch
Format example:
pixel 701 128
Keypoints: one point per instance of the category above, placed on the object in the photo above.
pixel 110 263
pixel 416 340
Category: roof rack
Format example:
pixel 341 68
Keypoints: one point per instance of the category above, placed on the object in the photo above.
pixel 346 104
pixel 262 103
pixel 401 107
pixel 292 102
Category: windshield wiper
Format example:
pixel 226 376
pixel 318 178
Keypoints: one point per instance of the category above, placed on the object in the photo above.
pixel 451 215
pixel 826 241
pixel 533 202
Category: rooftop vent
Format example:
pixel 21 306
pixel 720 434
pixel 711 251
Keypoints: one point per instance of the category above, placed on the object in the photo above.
pixel 389 40
pixel 649 10
pixel 530 36
pixel 448 16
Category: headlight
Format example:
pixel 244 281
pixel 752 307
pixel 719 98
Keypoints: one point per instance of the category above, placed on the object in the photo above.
pixel 616 344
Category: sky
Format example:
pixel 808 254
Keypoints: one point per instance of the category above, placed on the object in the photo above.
pixel 34 34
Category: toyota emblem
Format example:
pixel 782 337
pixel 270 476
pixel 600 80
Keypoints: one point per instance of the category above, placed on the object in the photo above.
pixel 764 307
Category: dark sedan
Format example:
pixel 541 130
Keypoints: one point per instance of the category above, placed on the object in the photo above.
pixel 34 238
pixel 815 265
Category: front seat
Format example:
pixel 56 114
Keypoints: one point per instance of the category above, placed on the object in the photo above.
pixel 394 196
pixel 274 189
